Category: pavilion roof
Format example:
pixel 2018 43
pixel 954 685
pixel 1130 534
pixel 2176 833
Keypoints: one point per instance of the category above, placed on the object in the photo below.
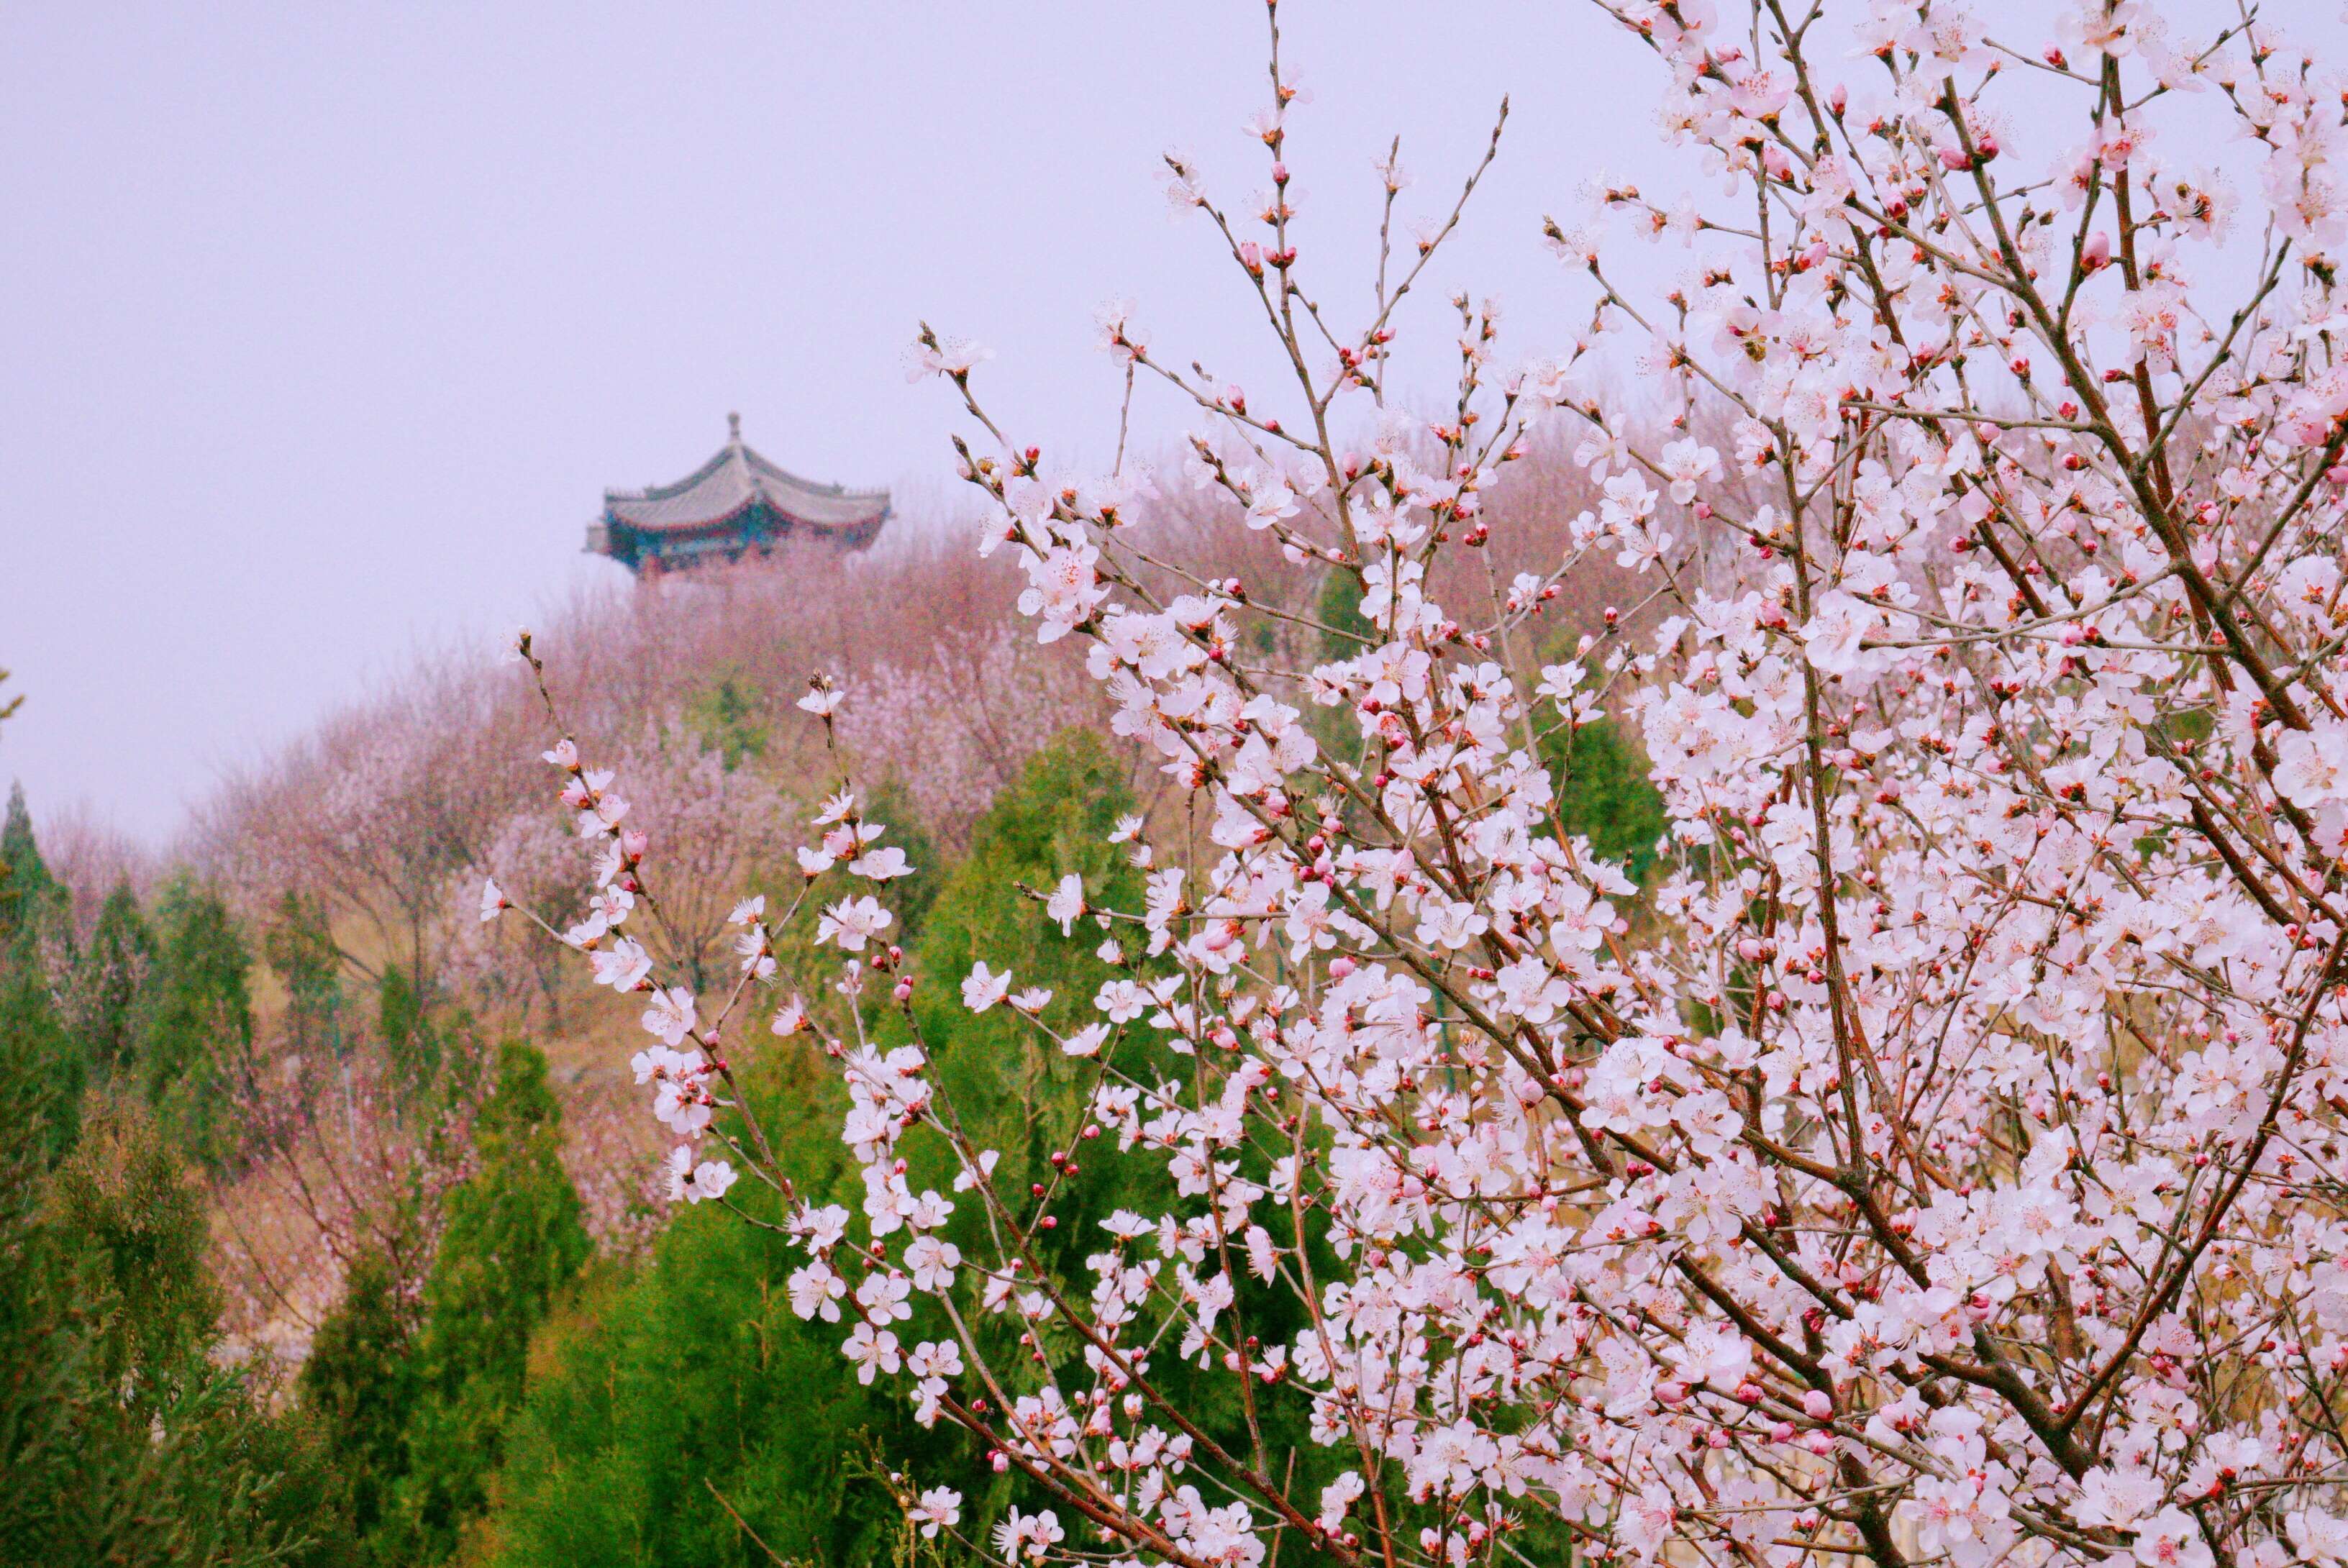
pixel 731 481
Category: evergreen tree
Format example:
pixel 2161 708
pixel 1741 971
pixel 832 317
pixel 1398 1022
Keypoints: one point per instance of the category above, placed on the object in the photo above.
pixel 128 1205
pixel 360 1384
pixel 689 1379
pixel 32 930
pixel 28 894
pixel 195 1022
pixel 1603 794
pixel 1052 820
pixel 729 717
pixel 35 1041
pixel 910 896
pixel 512 1246
pixel 107 974
pixel 300 951
pixel 123 1439
pixel 410 1034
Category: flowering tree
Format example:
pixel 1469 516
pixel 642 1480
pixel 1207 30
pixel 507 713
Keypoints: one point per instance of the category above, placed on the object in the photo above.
pixel 1945 1161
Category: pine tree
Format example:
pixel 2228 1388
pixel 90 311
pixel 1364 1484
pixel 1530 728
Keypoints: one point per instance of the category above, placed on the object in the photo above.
pixel 411 1036
pixel 35 1040
pixel 300 951
pixel 1054 819
pixel 130 1206
pixel 33 933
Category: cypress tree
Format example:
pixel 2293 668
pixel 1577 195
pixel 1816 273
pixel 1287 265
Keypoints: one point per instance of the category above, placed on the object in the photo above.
pixel 512 1246
pixel 1603 794
pixel 107 974
pixel 360 1383
pixel 195 1022
pixel 35 1041
pixel 123 1436
pixel 28 894
pixel 690 1378
pixel 300 951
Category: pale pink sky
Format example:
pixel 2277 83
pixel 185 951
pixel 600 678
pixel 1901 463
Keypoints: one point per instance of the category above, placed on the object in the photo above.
pixel 324 327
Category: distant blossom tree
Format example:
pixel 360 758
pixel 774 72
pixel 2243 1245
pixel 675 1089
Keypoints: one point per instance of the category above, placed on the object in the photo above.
pixel 1943 1161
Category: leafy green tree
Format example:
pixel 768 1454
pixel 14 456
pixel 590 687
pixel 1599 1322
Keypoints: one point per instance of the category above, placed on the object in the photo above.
pixel 127 1203
pixel 1052 820
pixel 910 896
pixel 730 717
pixel 195 1022
pixel 34 941
pixel 685 1405
pixel 412 1037
pixel 512 1246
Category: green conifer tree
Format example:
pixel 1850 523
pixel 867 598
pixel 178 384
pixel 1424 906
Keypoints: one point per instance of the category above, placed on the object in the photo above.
pixel 512 1246
pixel 28 892
pixel 195 1022
pixel 124 1438
pixel 109 973
pixel 360 1384
pixel 34 1039
pixel 689 1379
pixel 300 951
pixel 1603 794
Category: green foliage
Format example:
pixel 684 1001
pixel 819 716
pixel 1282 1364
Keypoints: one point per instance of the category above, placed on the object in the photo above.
pixel 411 1039
pixel 910 897
pixel 1054 819
pixel 128 1205
pixel 439 1060
pixel 124 1435
pixel 359 1383
pixel 1603 794
pixel 34 1030
pixel 28 894
pixel 729 717
pixel 107 974
pixel 300 951
pixel 123 1440
pixel 1027 1099
pixel 512 1244
pixel 692 1373
pixel 195 1022
pixel 33 1039
pixel 1340 610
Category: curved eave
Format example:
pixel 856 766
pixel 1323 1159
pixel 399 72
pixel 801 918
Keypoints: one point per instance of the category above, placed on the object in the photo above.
pixel 613 517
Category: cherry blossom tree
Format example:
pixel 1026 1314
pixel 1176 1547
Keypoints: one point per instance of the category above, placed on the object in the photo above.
pixel 1941 1158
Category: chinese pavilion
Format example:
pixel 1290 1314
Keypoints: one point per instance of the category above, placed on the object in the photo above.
pixel 734 504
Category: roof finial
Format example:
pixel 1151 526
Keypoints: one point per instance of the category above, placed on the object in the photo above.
pixel 734 429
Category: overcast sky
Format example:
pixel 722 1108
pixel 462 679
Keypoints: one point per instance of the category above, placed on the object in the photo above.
pixel 326 325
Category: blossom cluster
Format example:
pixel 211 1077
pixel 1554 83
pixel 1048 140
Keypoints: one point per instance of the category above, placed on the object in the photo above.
pixel 1941 1157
